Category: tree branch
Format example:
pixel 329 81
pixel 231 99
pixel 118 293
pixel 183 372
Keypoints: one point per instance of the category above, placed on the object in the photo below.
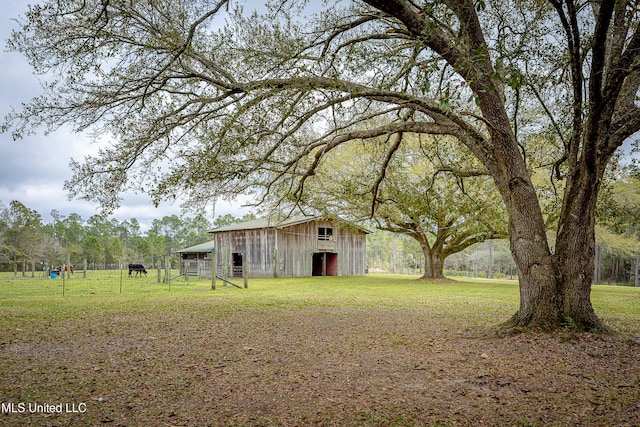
pixel 572 33
pixel 383 171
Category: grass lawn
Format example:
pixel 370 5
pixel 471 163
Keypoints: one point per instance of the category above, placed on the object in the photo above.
pixel 367 351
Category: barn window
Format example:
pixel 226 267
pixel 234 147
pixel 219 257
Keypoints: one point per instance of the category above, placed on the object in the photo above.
pixel 325 233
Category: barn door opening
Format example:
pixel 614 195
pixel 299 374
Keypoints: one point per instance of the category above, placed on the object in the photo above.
pixel 325 264
pixel 236 260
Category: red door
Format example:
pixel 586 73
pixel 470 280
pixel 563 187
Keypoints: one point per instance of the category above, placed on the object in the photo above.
pixel 332 264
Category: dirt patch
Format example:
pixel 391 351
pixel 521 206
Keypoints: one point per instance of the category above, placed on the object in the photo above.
pixel 345 366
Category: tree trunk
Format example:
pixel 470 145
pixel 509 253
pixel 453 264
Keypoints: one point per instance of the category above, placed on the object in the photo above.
pixel 15 264
pixel 575 250
pixel 433 264
pixel 555 290
pixel 540 305
pixel 637 270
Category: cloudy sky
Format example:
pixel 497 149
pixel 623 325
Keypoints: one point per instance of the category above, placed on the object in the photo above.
pixel 33 170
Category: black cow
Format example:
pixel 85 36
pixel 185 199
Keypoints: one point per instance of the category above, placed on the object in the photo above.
pixel 138 268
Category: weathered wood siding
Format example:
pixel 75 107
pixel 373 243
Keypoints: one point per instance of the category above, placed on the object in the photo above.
pixel 256 247
pixel 352 249
pixel 292 249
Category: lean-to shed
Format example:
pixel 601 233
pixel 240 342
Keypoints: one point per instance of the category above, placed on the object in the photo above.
pixel 196 259
pixel 295 247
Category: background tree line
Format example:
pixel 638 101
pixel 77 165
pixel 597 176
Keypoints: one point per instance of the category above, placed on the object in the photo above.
pixel 26 243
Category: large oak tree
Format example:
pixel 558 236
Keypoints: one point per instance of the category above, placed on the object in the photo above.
pixel 422 194
pixel 208 108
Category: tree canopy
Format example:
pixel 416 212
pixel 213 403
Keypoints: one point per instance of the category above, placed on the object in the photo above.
pixel 206 100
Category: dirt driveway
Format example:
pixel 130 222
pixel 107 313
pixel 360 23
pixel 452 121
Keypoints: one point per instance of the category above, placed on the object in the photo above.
pixel 309 366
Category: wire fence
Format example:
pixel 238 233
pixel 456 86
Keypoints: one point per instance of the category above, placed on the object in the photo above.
pixel 98 282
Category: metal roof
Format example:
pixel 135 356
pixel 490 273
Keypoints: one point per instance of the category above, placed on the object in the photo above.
pixel 266 223
pixel 201 248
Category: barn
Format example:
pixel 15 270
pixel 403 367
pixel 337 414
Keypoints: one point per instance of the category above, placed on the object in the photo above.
pixel 294 247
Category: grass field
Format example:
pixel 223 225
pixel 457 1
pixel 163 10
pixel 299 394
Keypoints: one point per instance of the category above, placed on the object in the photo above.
pixel 375 350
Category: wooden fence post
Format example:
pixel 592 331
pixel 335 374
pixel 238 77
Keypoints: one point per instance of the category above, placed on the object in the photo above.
pixel 213 269
pixel 244 272
pixel 167 270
